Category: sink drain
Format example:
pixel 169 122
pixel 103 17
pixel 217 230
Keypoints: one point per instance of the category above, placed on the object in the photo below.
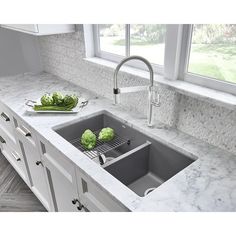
pixel 149 190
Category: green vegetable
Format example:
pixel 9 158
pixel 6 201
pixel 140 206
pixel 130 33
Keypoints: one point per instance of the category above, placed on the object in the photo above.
pixel 51 108
pixel 106 134
pixel 47 100
pixel 88 139
pixel 58 98
pixel 57 102
pixel 71 100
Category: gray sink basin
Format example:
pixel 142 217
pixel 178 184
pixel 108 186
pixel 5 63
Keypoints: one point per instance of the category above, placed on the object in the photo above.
pixel 140 162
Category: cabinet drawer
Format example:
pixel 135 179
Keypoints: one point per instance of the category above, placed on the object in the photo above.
pixel 93 198
pixel 8 139
pixel 24 131
pixel 6 121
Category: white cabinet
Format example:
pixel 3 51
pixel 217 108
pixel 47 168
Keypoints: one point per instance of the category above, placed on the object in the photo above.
pixel 30 152
pixel 57 182
pixel 8 143
pixel 93 198
pixel 7 124
pixel 13 155
pixel 41 29
pixel 61 179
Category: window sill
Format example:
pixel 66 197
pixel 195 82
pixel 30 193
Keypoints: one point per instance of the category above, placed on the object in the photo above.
pixel 202 93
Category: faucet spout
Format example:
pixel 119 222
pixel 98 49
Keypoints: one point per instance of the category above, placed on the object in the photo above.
pixel 117 91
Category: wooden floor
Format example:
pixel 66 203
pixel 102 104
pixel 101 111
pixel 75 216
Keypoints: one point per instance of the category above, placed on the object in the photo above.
pixel 15 196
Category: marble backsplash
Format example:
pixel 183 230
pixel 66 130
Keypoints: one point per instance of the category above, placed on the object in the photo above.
pixel 63 55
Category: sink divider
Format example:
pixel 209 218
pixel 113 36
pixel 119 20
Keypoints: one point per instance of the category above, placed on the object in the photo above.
pixel 127 154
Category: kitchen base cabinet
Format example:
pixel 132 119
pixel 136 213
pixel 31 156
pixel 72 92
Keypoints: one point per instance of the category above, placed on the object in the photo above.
pixel 16 160
pixel 61 180
pixel 30 152
pixel 56 181
pixel 8 143
pixel 93 198
pixel 7 122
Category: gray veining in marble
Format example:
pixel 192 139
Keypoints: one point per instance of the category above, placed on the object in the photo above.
pixel 209 184
pixel 63 55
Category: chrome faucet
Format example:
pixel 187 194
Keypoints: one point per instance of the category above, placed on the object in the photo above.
pixel 153 96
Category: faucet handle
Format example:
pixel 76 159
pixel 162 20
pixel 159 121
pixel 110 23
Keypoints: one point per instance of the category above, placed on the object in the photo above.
pixel 155 97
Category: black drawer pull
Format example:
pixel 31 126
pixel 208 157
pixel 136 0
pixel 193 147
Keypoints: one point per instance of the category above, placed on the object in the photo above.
pixel 74 201
pixel 80 206
pixel 5 116
pixel 2 140
pixel 38 163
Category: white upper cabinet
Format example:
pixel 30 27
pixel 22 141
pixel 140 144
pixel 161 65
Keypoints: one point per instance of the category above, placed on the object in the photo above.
pixel 41 29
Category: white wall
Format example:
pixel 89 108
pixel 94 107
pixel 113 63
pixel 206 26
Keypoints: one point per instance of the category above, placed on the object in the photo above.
pixel 19 53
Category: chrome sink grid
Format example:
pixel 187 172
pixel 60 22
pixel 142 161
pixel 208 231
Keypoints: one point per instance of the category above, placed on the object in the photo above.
pixel 101 147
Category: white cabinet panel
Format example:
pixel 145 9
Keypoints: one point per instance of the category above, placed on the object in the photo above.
pixel 93 198
pixel 23 27
pixel 30 152
pixel 61 179
pixel 7 123
pixel 41 29
pixel 13 156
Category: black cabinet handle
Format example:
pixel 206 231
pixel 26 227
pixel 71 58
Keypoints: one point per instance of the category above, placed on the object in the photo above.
pixel 5 116
pixel 74 201
pixel 2 140
pixel 39 163
pixel 80 206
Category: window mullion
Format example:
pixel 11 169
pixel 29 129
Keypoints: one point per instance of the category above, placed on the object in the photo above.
pixel 172 51
pixel 96 33
pixel 185 50
pixel 127 40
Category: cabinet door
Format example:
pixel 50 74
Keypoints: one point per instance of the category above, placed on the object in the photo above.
pixel 94 198
pixel 12 154
pixel 7 123
pixel 61 179
pixel 34 165
pixel 41 29
pixel 23 27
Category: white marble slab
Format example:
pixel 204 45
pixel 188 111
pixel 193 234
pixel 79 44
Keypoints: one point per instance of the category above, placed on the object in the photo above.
pixel 209 184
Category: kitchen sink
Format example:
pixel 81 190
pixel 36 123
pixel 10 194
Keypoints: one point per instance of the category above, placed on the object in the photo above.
pixel 135 159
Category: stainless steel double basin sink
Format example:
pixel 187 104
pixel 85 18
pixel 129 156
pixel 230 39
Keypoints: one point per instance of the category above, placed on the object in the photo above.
pixel 135 159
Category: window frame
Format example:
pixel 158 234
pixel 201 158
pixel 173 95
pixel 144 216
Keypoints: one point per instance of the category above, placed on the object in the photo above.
pixel 158 69
pixel 204 81
pixel 176 59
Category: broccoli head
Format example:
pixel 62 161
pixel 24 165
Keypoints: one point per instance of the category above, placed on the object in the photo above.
pixel 88 139
pixel 47 100
pixel 106 134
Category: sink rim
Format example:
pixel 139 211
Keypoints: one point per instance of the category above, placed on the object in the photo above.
pixel 127 123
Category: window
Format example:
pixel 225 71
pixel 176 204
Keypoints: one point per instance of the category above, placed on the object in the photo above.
pixel 201 54
pixel 211 56
pixel 148 41
pixel 115 41
pixel 112 39
pixel 213 52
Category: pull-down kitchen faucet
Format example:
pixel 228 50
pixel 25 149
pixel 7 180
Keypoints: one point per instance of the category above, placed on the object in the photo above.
pixel 152 101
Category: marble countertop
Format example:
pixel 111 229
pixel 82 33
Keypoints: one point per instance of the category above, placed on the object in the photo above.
pixel 208 184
